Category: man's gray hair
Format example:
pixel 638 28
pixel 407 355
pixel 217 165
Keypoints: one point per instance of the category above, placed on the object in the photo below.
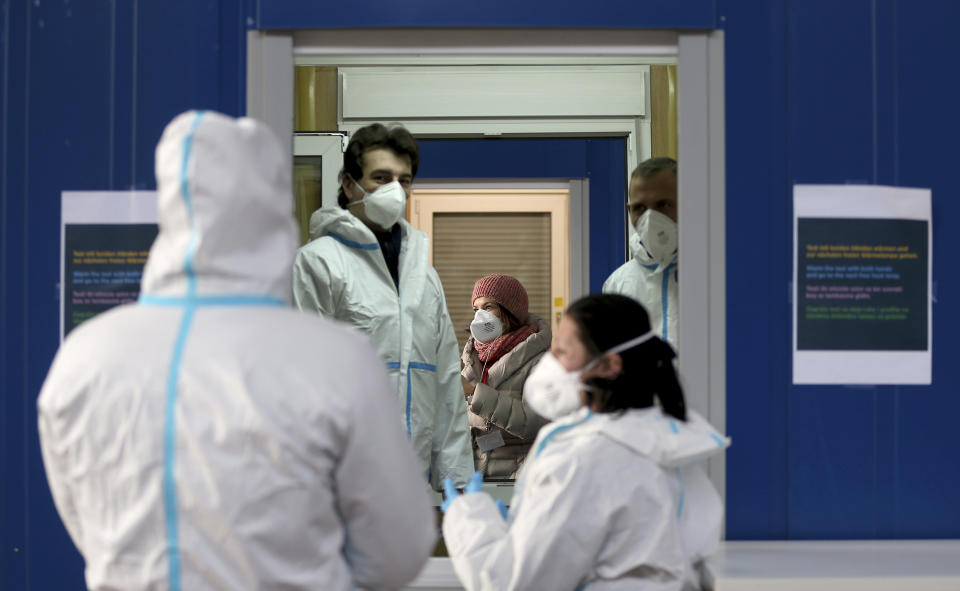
pixel 652 166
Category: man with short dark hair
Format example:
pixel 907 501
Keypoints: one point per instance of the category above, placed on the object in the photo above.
pixel 367 266
pixel 650 276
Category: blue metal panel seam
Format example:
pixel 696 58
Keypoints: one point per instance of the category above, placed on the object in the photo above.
pixel 25 318
pixel 5 468
pixel 133 95
pixel 112 98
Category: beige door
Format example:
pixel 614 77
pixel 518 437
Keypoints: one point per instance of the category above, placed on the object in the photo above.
pixel 476 231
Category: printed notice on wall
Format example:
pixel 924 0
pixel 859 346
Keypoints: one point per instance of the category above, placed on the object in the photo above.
pixel 104 242
pixel 862 277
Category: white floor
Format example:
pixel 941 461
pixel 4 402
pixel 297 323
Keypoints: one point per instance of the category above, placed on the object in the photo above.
pixel 921 565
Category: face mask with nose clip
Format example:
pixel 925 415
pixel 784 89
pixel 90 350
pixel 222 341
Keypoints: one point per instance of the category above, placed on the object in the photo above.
pixel 553 392
pixel 654 244
pixel 485 327
pixel 384 206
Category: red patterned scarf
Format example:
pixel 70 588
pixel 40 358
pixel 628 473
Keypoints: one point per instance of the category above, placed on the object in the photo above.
pixel 489 353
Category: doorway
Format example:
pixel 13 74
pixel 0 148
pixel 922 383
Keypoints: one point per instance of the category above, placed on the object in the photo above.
pixel 698 56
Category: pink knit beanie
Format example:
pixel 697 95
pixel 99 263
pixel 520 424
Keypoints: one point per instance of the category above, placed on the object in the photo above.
pixel 506 291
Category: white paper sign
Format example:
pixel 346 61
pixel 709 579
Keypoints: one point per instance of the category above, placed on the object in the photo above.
pixel 862 267
pixel 104 240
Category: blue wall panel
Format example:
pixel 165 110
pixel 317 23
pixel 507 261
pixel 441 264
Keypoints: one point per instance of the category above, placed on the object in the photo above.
pixel 14 408
pixel 821 92
pixel 832 441
pixel 927 130
pixel 606 164
pixel 302 14
pixel 758 224
pixel 67 131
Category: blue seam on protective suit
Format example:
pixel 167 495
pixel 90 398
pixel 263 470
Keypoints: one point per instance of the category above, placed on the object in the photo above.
pixel 421 365
pixel 664 300
pixel 406 418
pixel 353 244
pixel 169 431
pixel 212 300
pixel 169 451
pixel 673 426
pixel 413 365
pixel 720 442
pixel 185 191
pixel 650 267
pixel 682 494
pixel 560 429
pixel 409 403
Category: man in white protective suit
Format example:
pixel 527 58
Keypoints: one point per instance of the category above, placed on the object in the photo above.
pixel 650 276
pixel 367 266
pixel 210 437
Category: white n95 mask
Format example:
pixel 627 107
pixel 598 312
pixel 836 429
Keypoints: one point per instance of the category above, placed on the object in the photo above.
pixel 655 242
pixel 385 206
pixel 486 327
pixel 553 392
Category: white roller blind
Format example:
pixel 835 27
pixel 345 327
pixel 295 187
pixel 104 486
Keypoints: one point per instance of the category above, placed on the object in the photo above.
pixel 468 246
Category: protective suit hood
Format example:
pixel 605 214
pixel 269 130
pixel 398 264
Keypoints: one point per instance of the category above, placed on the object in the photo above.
pixel 225 209
pixel 339 222
pixel 655 435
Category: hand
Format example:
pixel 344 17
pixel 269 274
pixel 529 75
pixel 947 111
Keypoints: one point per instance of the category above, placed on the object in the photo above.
pixel 450 491
pixel 468 388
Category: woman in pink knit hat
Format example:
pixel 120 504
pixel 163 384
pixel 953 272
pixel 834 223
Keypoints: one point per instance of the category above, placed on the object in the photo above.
pixel 505 345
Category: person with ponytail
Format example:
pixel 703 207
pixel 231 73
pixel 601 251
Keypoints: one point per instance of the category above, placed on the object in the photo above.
pixel 614 494
pixel 506 343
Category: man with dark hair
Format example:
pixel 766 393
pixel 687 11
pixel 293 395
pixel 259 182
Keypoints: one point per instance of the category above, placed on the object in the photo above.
pixel 650 276
pixel 367 266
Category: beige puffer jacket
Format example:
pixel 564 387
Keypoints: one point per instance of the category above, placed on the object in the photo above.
pixel 498 406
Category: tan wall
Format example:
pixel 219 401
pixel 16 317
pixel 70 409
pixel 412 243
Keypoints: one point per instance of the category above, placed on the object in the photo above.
pixel 663 107
pixel 315 98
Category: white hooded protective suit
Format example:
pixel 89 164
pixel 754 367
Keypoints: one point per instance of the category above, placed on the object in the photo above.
pixel 341 273
pixel 211 437
pixel 604 502
pixel 654 286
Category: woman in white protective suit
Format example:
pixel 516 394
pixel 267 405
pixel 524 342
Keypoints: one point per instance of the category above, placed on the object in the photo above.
pixel 612 496
pixel 210 437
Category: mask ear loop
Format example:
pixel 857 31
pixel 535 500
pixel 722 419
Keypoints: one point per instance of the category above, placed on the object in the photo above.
pixel 362 190
pixel 631 343
pixel 620 348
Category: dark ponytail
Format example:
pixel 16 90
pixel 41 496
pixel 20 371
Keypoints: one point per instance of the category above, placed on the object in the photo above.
pixel 605 321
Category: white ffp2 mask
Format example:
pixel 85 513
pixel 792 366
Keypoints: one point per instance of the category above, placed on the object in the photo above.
pixel 486 327
pixel 384 206
pixel 552 391
pixel 655 242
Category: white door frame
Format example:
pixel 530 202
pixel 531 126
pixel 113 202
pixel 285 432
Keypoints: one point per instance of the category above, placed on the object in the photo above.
pixel 700 115
pixel 330 147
